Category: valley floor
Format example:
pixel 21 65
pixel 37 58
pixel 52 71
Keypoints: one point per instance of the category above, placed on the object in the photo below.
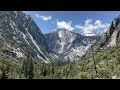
pixel 106 66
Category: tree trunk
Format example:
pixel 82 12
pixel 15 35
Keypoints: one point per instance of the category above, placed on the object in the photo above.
pixel 94 62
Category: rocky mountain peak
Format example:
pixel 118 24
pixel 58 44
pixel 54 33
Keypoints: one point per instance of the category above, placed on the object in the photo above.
pixel 66 44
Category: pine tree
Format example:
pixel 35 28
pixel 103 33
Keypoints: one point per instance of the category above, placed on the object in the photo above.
pixel 44 69
pixel 25 68
pixel 68 68
pixel 28 67
pixel 5 68
pixel 12 72
pixel 52 69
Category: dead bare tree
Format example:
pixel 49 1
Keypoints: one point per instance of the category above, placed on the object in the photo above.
pixel 94 63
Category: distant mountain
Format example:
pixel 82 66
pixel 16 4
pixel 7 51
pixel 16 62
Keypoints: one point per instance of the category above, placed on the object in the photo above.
pixel 19 35
pixel 68 45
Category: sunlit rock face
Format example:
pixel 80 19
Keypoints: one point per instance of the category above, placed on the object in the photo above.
pixel 68 45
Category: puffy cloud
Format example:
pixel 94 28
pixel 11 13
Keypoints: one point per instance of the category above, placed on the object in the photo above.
pixel 88 27
pixel 66 25
pixel 44 18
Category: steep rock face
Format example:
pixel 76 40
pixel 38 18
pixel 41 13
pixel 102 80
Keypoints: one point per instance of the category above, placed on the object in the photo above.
pixel 111 37
pixel 68 45
pixel 19 34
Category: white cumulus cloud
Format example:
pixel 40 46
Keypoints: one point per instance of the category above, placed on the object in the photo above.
pixel 66 25
pixel 44 18
pixel 89 27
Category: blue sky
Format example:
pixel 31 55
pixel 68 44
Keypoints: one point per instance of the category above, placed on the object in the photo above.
pixel 83 22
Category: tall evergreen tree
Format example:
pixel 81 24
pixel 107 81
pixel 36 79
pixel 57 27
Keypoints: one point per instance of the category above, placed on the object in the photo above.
pixel 28 67
pixel 25 67
pixel 5 68
pixel 52 69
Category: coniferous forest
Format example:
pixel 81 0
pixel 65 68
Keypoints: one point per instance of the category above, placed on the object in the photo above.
pixel 103 65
